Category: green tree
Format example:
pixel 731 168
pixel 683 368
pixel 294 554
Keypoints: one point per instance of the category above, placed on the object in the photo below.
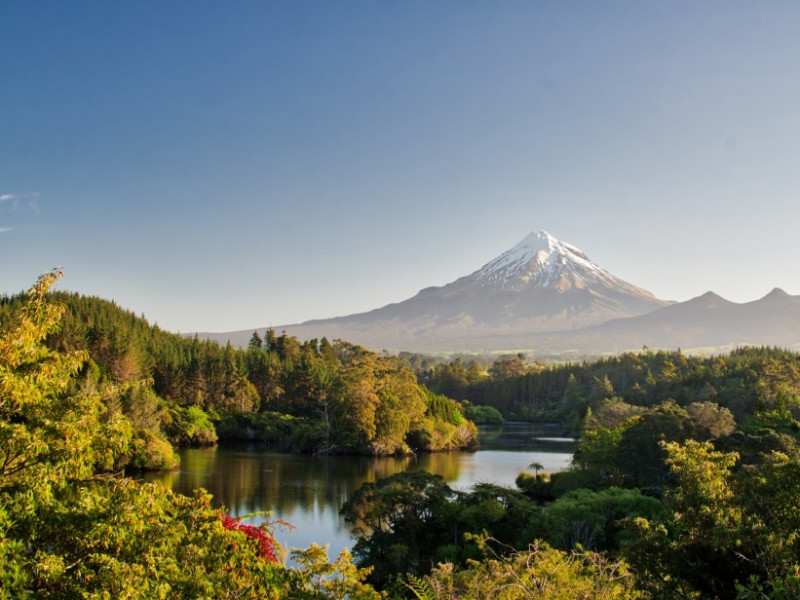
pixel 540 573
pixel 697 551
pixel 49 437
pixel 69 531
pixel 255 341
pixel 593 520
pixel 602 389
pixel 395 519
pixel 508 367
pixel 353 405
pixel 712 417
pixel 611 413
pixel 639 454
pixel 595 457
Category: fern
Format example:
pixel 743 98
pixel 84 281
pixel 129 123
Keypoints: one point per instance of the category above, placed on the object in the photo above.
pixel 421 588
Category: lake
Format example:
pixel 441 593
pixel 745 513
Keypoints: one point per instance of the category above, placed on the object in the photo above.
pixel 308 491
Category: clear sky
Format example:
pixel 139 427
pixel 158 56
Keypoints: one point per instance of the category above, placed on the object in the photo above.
pixel 229 165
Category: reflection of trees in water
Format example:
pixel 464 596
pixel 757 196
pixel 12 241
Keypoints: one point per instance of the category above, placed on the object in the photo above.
pixel 168 479
pixel 249 480
pixel 252 481
pixel 489 435
pixel 197 469
pixel 446 464
pixel 523 437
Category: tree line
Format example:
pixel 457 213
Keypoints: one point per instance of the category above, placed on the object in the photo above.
pixel 743 381
pixel 311 396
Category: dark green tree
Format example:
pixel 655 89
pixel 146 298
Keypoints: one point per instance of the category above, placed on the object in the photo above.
pixel 255 341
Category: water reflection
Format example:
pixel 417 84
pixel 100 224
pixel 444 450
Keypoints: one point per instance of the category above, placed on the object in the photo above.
pixel 308 491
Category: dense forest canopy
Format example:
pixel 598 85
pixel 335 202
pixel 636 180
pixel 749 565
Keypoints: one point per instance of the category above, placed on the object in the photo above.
pixel 745 381
pixel 684 482
pixel 311 396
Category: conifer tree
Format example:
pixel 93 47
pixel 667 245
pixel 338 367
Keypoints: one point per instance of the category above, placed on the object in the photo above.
pixel 256 341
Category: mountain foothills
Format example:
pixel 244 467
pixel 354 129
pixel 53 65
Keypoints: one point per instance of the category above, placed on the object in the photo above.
pixel 684 481
pixel 546 297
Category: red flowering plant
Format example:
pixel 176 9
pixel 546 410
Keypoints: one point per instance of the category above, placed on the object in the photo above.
pixel 268 548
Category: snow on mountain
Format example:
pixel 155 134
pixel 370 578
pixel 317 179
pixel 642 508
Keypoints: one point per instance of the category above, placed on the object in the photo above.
pixel 540 285
pixel 540 260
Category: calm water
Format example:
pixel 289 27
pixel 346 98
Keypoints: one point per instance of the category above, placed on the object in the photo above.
pixel 308 491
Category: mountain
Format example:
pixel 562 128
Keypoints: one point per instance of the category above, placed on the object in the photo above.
pixel 540 285
pixel 708 321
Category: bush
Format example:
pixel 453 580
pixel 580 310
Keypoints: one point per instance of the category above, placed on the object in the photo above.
pixel 540 572
pixel 151 452
pixel 593 520
pixel 483 414
pixel 191 427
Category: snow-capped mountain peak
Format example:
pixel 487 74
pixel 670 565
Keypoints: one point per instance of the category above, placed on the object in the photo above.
pixel 541 286
pixel 542 261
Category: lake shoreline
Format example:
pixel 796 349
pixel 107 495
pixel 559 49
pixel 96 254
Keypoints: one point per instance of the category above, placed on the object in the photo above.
pixel 309 490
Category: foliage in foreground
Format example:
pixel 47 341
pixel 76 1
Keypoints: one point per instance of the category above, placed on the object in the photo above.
pixel 539 573
pixel 69 531
pixel 687 473
pixel 411 522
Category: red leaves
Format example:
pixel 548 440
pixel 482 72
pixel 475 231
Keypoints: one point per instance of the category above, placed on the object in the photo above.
pixel 266 544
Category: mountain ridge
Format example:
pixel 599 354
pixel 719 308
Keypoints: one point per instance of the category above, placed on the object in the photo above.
pixel 539 285
pixel 547 297
pixel 707 321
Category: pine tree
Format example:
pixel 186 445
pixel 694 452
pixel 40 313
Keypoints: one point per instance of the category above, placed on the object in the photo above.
pixel 256 341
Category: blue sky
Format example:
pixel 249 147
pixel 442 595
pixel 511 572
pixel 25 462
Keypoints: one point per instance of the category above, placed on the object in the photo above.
pixel 230 165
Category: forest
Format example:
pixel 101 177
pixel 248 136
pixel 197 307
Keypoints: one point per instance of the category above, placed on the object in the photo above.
pixel 312 396
pixel 683 484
